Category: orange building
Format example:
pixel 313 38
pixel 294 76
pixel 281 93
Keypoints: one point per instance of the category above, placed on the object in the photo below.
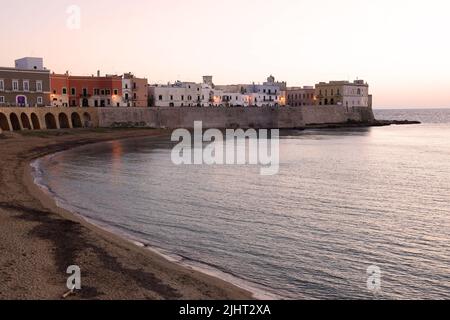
pixel 82 91
pixel 59 86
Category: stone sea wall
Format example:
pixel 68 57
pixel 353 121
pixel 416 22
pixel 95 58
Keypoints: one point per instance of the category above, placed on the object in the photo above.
pixel 265 117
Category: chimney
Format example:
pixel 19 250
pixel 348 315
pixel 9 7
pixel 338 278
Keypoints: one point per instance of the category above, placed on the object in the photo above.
pixel 98 73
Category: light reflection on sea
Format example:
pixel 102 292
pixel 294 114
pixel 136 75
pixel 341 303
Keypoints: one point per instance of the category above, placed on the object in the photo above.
pixel 344 200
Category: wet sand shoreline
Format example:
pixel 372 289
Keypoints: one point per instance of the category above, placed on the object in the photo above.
pixel 39 240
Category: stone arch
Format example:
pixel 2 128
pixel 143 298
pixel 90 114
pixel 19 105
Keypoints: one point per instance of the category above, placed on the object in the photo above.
pixel 26 124
pixel 15 123
pixel 4 124
pixel 76 120
pixel 50 121
pixel 63 121
pixel 35 122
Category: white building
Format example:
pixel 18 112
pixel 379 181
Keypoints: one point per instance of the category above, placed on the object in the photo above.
pixel 235 99
pixel 206 94
pixel 178 94
pixel 127 92
pixel 30 63
pixel 211 97
pixel 267 94
pixel 344 93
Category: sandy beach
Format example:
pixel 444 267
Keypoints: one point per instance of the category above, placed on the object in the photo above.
pixel 38 240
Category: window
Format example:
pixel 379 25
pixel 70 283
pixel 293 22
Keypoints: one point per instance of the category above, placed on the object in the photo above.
pixel 73 91
pixel 126 96
pixel 15 85
pixel 38 86
pixel 96 92
pixel 40 100
pixel 160 98
pixel 171 98
pixel 2 85
pixel 182 98
pixel 116 92
pixel 64 91
pixel 85 92
pixel 134 96
pixel 126 85
pixel 2 99
pixel 26 85
pixel 102 92
pixel 108 92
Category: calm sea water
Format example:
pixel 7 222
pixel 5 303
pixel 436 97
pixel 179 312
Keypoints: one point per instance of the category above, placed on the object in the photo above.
pixel 344 200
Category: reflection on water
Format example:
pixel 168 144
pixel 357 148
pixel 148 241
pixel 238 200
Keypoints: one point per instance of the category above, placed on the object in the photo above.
pixel 344 200
pixel 116 155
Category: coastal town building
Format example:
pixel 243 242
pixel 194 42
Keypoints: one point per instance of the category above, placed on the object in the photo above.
pixel 26 85
pixel 269 94
pixel 30 84
pixel 211 96
pixel 86 91
pixel 266 94
pixel 178 94
pixel 134 91
pixel 344 93
pixel 300 96
pixel 206 94
pixel 59 85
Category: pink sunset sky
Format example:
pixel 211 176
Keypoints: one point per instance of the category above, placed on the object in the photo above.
pixel 400 47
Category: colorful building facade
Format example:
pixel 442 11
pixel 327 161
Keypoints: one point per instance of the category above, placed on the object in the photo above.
pixel 82 91
pixel 134 91
pixel 24 88
pixel 343 93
